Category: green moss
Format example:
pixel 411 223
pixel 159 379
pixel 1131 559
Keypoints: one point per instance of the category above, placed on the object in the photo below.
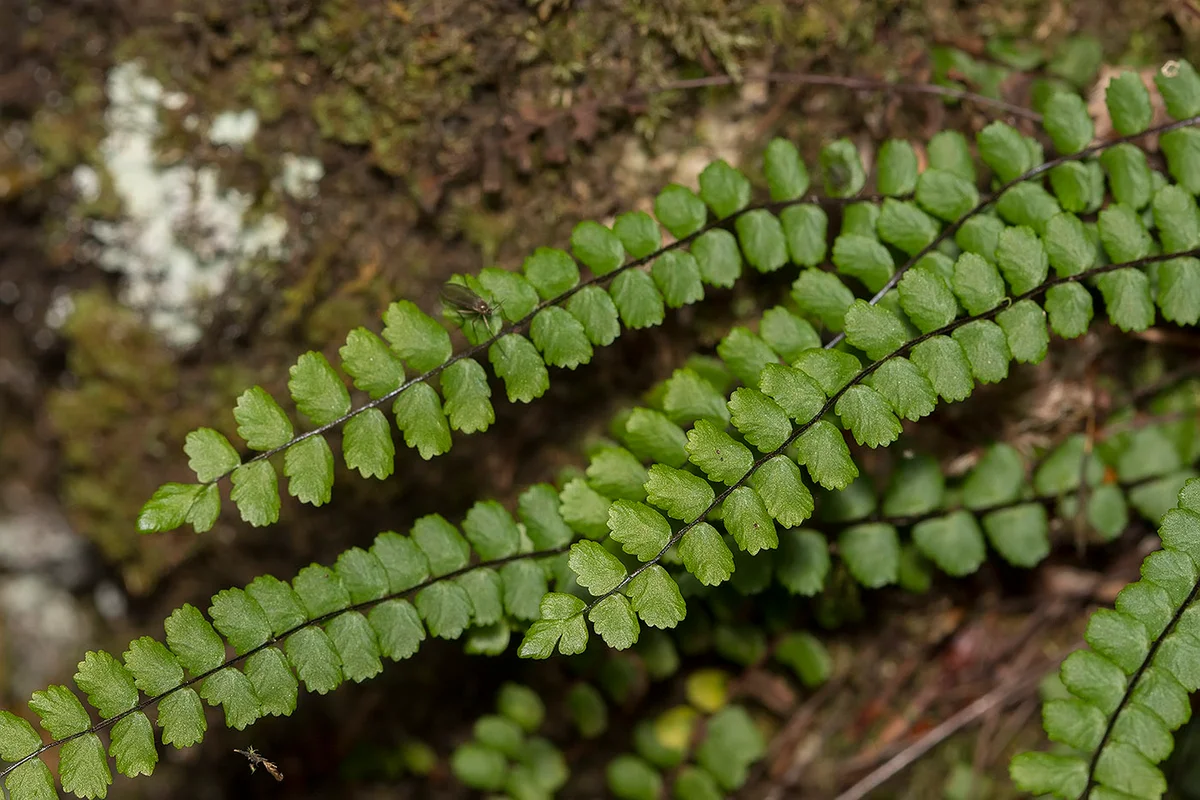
pixel 152 49
pixel 841 602
pixel 108 342
pixel 487 231
pixel 88 95
pixel 343 115
pixel 1145 46
pixel 332 319
pixel 260 88
pixel 110 424
pixel 57 139
pixel 392 146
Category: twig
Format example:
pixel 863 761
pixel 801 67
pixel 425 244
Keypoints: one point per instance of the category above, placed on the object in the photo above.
pixel 1166 381
pixel 891 738
pixel 995 699
pixel 1089 444
pixel 983 744
pixel 1168 336
pixel 788 737
pixel 1140 421
pixel 802 717
pixel 854 84
pixel 1008 731
pixel 1018 643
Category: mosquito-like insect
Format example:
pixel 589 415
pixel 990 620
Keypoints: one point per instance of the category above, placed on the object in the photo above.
pixel 256 759
pixel 837 178
pixel 469 305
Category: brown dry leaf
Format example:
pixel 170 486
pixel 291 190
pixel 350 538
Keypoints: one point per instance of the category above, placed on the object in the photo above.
pixel 770 689
pixel 866 152
pixel 492 170
pixel 15 182
pixel 399 11
pixel 366 273
pixel 960 465
pixel 1055 20
pixel 554 142
pixel 1186 14
pixel 586 117
pixel 922 156
pixel 1165 336
pixel 1054 406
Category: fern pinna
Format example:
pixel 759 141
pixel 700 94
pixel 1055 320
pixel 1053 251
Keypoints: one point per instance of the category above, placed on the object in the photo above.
pixel 724 456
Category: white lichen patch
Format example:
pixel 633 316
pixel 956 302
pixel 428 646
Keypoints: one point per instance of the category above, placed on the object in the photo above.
pixel 301 175
pixel 181 236
pixel 43 626
pixel 39 539
pixel 86 181
pixel 233 128
pixel 59 310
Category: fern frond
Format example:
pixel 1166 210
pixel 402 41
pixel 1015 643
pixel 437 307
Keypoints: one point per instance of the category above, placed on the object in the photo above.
pixel 999 283
pixel 766 434
pixel 551 317
pixel 1130 688
pixel 704 745
pixel 619 481
pixel 328 625
pixel 565 317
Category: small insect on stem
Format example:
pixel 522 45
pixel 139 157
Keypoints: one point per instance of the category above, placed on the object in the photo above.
pixel 256 760
pixel 469 305
pixel 839 176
